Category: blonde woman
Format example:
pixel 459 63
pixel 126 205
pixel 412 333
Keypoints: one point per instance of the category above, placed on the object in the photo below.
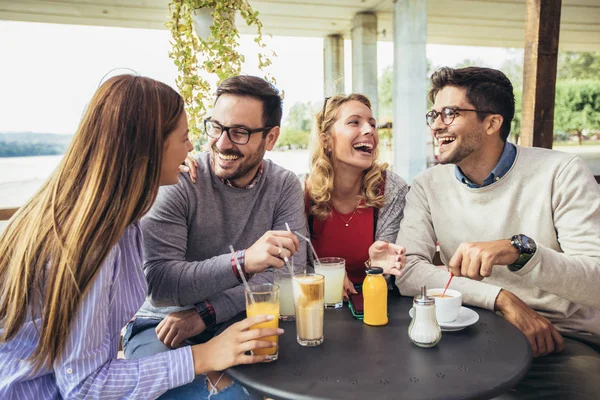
pixel 71 266
pixel 354 205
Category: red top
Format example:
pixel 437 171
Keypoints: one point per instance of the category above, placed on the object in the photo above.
pixel 332 238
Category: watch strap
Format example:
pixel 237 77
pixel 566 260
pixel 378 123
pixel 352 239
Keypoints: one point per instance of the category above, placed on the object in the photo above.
pixel 520 263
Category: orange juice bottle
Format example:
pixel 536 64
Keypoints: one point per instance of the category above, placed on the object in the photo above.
pixel 260 308
pixel 375 297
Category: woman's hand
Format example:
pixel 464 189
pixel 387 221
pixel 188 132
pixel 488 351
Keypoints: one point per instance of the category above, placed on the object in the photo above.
pixel 229 348
pixel 191 166
pixel 388 256
pixel 348 288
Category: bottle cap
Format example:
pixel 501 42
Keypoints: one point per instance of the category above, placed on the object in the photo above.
pixel 375 271
pixel 422 299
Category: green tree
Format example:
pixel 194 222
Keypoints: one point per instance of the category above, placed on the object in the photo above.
pixel 584 65
pixel 290 138
pixel 577 107
pixel 296 129
pixel 301 116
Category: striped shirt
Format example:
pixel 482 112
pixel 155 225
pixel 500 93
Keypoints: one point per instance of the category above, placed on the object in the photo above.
pixel 88 367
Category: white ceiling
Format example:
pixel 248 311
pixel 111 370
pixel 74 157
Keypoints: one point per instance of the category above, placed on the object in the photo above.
pixel 459 22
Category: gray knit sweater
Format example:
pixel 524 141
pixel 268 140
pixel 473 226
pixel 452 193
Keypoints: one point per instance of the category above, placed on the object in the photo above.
pixel 190 227
pixel 392 212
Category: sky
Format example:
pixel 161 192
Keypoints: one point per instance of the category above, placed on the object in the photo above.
pixel 48 72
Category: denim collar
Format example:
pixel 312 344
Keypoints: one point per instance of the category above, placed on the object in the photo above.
pixel 507 159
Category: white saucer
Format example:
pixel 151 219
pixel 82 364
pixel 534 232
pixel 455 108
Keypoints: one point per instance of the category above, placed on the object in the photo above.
pixel 466 317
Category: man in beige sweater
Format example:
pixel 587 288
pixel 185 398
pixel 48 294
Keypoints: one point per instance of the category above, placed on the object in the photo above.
pixel 519 228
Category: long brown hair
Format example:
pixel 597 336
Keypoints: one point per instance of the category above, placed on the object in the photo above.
pixel 109 177
pixel 320 180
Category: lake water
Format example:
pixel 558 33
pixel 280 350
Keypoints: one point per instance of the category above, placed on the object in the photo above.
pixel 21 177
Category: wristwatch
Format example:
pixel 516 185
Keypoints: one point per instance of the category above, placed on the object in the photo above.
pixel 526 247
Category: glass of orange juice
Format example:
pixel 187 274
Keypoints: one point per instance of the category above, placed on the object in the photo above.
pixel 263 299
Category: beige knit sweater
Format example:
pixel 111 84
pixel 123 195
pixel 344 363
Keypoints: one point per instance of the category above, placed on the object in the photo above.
pixel 547 195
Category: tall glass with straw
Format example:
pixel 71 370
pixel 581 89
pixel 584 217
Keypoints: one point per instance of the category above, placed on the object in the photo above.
pixel 334 271
pixel 261 299
pixel 309 299
pixel 283 279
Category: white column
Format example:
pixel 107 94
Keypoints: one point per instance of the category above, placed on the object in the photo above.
pixel 333 62
pixel 410 98
pixel 364 56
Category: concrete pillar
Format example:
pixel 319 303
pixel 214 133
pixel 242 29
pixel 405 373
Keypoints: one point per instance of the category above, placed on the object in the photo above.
pixel 333 62
pixel 364 57
pixel 410 77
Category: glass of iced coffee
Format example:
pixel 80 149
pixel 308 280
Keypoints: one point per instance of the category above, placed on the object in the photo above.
pixel 309 298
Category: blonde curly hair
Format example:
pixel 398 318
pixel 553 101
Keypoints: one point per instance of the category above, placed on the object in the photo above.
pixel 319 183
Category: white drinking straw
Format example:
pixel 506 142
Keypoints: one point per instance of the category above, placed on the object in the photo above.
pixel 287 261
pixel 239 268
pixel 314 253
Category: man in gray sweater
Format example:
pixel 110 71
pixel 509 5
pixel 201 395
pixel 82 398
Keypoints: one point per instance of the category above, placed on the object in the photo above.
pixel 237 198
pixel 519 228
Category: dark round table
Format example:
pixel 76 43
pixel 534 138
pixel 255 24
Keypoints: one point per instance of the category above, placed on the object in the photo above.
pixel 357 361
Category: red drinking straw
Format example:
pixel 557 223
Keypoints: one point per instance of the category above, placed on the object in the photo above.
pixel 448 284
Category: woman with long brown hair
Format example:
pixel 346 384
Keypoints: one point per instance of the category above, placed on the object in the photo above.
pixel 71 264
pixel 354 205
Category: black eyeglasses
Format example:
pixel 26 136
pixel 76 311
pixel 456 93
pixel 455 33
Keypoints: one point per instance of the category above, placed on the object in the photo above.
pixel 236 134
pixel 448 114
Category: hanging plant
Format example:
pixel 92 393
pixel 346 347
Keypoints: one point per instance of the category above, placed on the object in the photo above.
pixel 216 50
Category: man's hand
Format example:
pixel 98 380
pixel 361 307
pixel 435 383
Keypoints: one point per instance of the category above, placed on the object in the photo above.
pixel 179 326
pixel 475 260
pixel 542 335
pixel 270 250
pixel 390 257
pixel 230 347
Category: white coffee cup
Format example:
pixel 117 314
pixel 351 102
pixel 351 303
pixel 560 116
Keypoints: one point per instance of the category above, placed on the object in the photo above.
pixel 446 308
